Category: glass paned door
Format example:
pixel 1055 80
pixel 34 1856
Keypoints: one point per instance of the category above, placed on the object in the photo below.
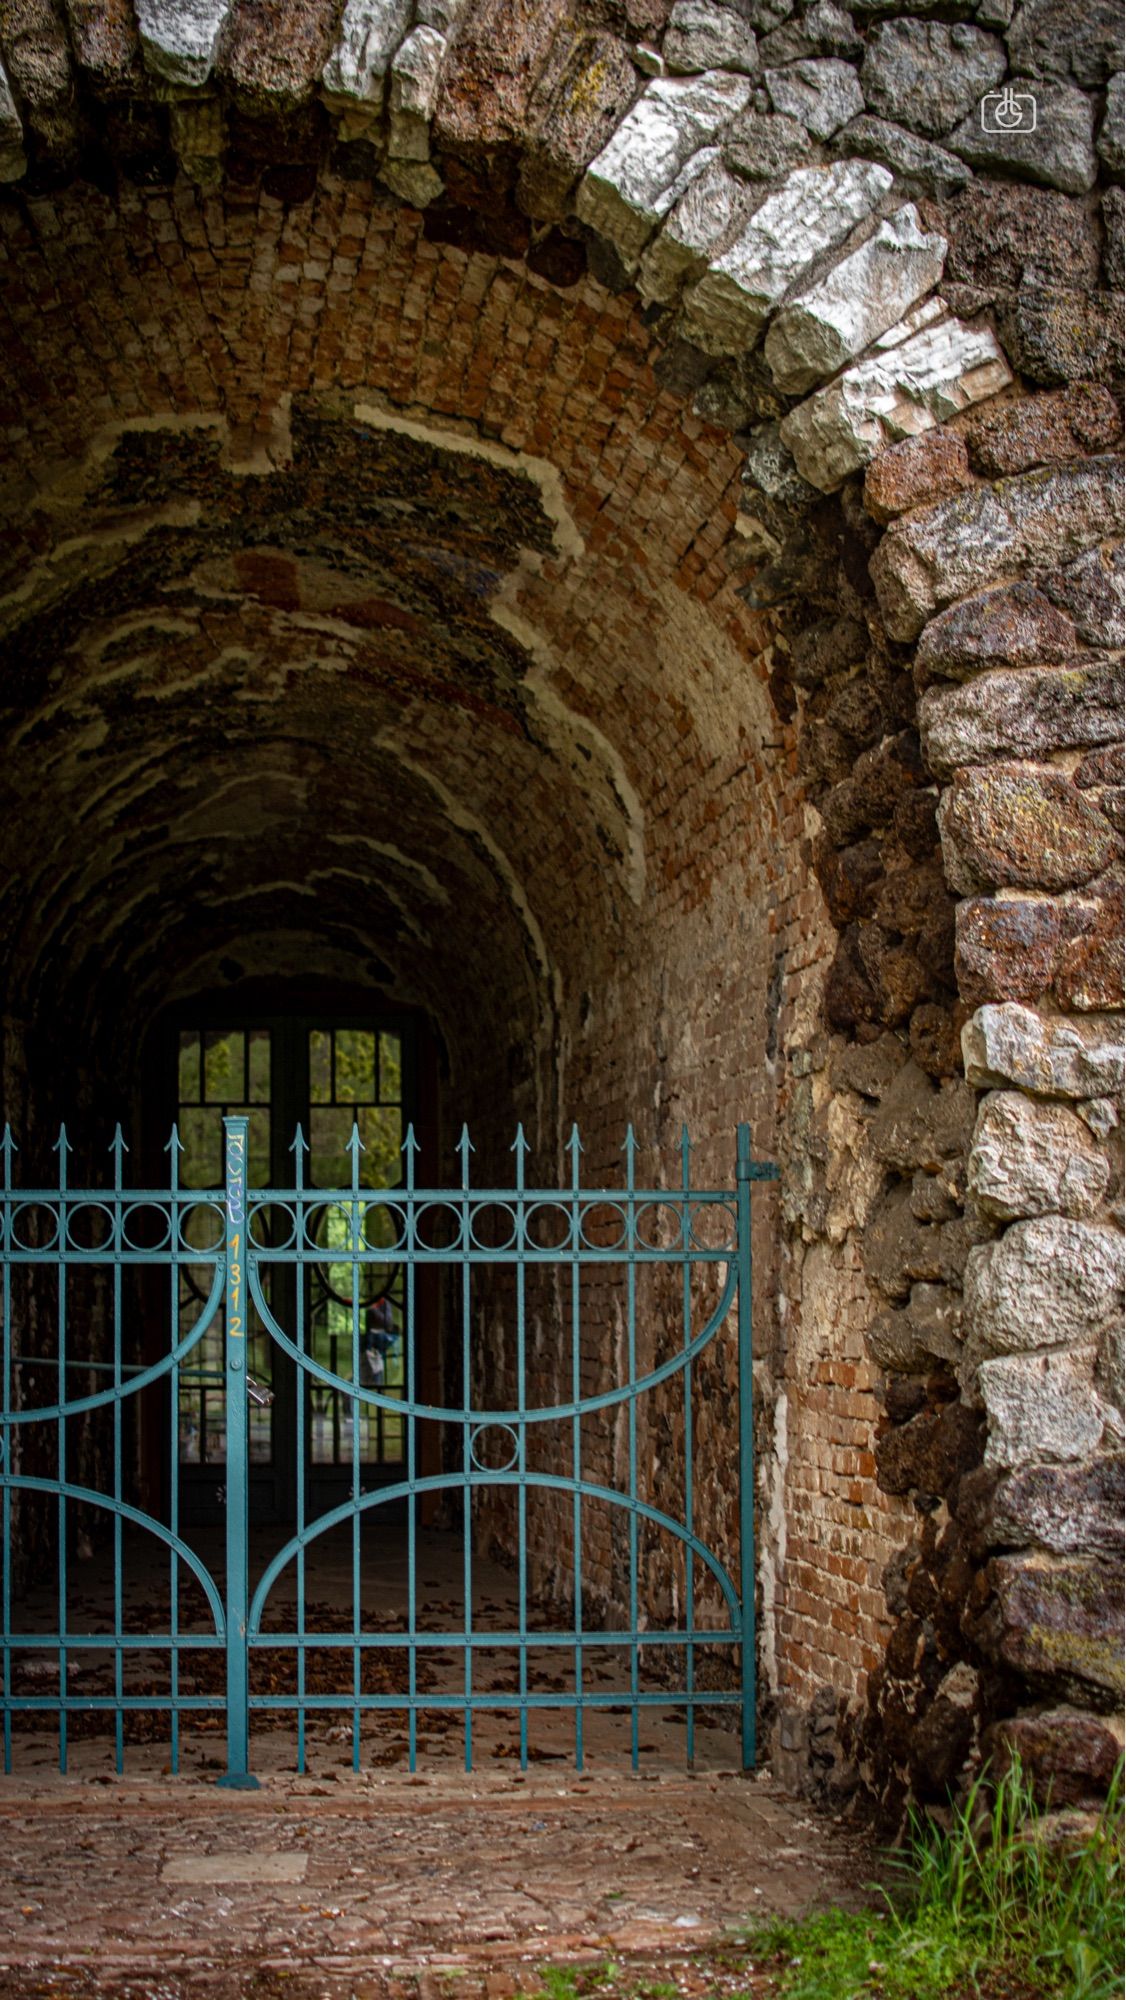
pixel 355 1313
pixel 220 1072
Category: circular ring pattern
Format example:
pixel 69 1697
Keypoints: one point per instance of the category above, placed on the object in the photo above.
pixel 481 1431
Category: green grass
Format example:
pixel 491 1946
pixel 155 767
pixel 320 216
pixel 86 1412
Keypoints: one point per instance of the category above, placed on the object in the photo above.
pixel 985 1905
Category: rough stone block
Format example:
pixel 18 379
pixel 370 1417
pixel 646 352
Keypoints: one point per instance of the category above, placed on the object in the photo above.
pixel 1004 236
pixel 370 32
pixel 1047 1283
pixel 1048 39
pixel 811 212
pixel 1068 1755
pixel 823 29
pixel 497 56
pixel 931 1454
pixel 915 473
pixel 1050 1057
pixel 1091 592
pixel 701 35
pixel 924 563
pixel 1042 430
pixel 13 160
pixel 919 1126
pixel 1023 712
pixel 180 38
pixel 920 167
pixel 712 208
pixel 1058 1621
pixel 1040 1406
pixel 1021 826
pixel 1015 626
pixel 1059 153
pixel 416 72
pixel 1089 970
pixel 632 184
pixel 587 92
pixel 1064 336
pixel 917 375
pixel 821 95
pixel 1030 1158
pixel 761 146
pixel 1111 148
pixel 1004 949
pixel 928 75
pixel 1068 1509
pixel 861 297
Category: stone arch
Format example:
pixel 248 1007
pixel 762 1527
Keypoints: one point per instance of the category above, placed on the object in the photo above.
pixel 810 618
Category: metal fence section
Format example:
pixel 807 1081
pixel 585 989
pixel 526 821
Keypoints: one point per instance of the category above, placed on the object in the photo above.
pixel 94 1278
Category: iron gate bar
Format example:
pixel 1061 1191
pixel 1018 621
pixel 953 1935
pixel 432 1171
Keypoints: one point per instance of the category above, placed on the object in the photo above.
pixel 239 1266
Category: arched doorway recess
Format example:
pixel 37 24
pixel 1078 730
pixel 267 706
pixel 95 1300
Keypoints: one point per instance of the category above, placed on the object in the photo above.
pixel 688 482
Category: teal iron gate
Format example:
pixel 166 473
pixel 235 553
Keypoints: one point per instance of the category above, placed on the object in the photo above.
pixel 76 1409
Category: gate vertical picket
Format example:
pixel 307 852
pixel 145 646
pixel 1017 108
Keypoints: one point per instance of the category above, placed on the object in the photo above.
pixel 744 1173
pixel 237 1776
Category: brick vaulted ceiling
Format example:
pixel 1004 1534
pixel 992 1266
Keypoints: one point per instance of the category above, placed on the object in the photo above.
pixel 344 610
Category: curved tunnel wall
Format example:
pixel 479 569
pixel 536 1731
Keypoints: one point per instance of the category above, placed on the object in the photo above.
pixel 687 899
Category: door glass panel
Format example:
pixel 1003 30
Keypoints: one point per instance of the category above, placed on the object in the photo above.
pixel 355 1310
pixel 221 1073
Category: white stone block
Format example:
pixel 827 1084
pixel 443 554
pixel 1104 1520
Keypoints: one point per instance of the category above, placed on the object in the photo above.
pixel 633 183
pixel 859 299
pixel 1033 1158
pixel 711 209
pixel 1078 1056
pixel 1050 1282
pixel 910 381
pixel 823 95
pixel 180 38
pixel 813 211
pixel 416 73
pixel 370 33
pixel 1041 1408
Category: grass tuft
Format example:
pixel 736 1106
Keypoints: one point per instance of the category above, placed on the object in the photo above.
pixel 988 1905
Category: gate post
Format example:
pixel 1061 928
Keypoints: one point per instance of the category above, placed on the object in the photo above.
pixel 743 1177
pixel 237 1776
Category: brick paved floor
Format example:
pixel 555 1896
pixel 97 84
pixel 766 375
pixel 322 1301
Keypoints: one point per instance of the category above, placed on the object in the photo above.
pixel 369 1885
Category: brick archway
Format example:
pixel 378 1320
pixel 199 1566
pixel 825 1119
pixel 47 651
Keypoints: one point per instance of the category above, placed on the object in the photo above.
pixel 698 494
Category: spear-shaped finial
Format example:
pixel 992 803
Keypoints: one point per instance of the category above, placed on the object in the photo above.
pixel 575 1148
pixel 520 1148
pixel 465 1146
pixel 409 1150
pixel 62 1147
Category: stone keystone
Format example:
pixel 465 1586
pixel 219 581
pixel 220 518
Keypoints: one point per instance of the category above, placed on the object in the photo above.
pixel 416 73
pixel 645 167
pixel 917 375
pixel 813 211
pixel 864 295
pixel 180 38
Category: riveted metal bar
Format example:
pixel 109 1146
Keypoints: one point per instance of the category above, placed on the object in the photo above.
pixel 520 1149
pixel 465 1149
pixel 9 1438
pixel 174 1457
pixel 237 1251
pixel 575 1149
pixel 631 1369
pixel 689 1496
pixel 60 1461
pixel 355 1245
pixel 746 1443
pixel 299 1151
pixel 410 1148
